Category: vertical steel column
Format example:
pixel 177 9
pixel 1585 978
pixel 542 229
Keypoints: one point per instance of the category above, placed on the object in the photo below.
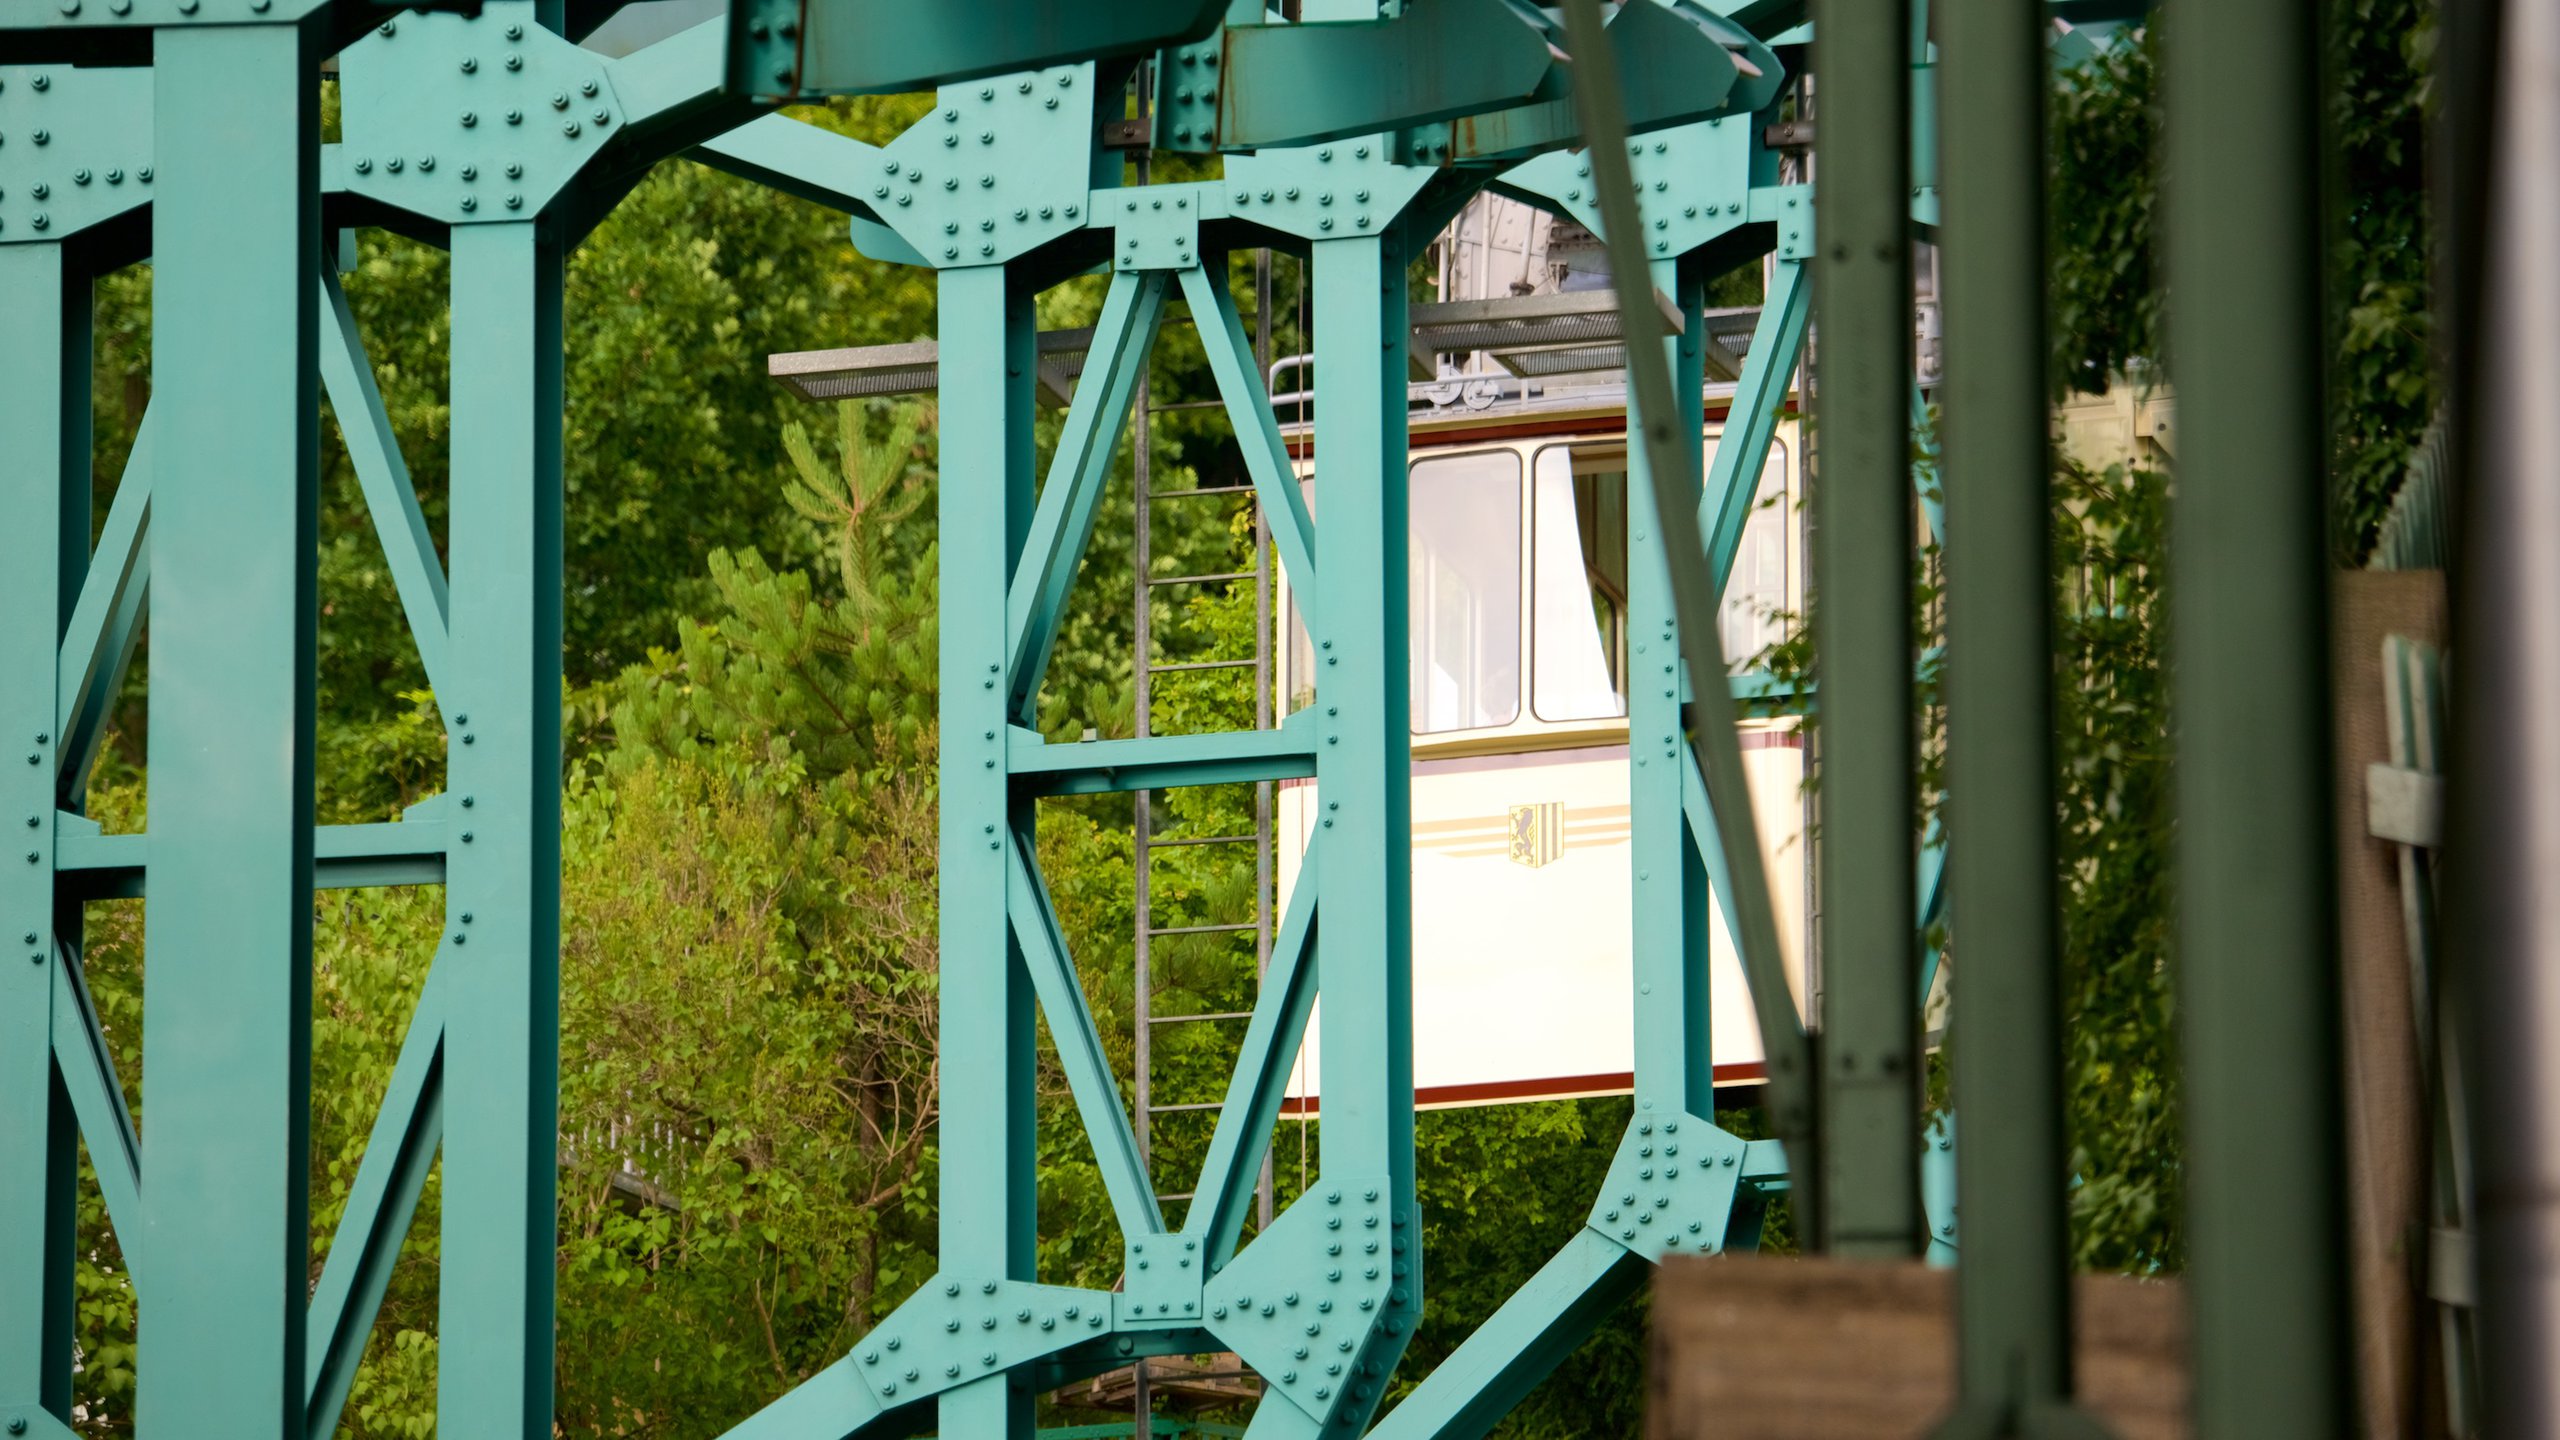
pixel 227 1013
pixel 502 897
pixel 2257 963
pixel 1364 771
pixel 44 550
pixel 2506 806
pixel 1862 616
pixel 1673 1072
pixel 989 1204
pixel 2012 1287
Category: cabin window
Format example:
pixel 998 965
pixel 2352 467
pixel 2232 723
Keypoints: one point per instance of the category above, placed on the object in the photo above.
pixel 1465 591
pixel 1578 585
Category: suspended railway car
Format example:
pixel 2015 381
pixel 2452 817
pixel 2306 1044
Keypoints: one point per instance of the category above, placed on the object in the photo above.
pixel 1522 882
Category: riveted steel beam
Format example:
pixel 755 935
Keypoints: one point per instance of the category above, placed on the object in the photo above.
pixel 226 1019
pixel 784 50
pixel 44 409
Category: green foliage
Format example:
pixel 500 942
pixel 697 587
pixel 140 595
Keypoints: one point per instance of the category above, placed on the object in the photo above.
pixel 2382 385
pixel 2102 209
pixel 2119 1072
pixel 2106 297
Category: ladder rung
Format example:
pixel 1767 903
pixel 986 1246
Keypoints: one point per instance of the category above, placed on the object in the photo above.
pixel 1206 840
pixel 1206 929
pixel 1201 490
pixel 1200 579
pixel 1198 1105
pixel 1155 668
pixel 1204 1015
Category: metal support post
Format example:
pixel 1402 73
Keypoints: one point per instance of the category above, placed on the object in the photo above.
pixel 989 1182
pixel 501 1075
pixel 1869 1193
pixel 1674 1072
pixel 2505 941
pixel 2257 925
pixel 44 550
pixel 227 1016
pixel 1365 864
pixel 2013 1295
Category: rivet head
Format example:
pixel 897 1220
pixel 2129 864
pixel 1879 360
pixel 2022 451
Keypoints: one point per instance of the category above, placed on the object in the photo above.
pixel 514 171
pixel 559 99
pixel 143 174
pixel 570 129
pixel 41 220
pixel 515 202
pixel 363 166
pixel 602 118
pixel 426 163
pixel 515 32
pixel 515 62
pixel 470 66
pixel 43 137
pixel 469 204
pixel 393 164
pixel 515 117
pixel 470 172
pixel 588 89
pixel 470 118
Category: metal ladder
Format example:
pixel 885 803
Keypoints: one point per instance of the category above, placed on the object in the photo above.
pixel 1146 667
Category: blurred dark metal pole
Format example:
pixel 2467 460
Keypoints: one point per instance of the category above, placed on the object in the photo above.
pixel 1862 627
pixel 2013 1280
pixel 1672 458
pixel 2503 856
pixel 2257 951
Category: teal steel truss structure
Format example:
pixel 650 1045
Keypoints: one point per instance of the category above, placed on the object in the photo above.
pixel 188 131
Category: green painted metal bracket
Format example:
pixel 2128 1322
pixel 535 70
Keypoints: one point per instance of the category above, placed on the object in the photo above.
pixel 88 1070
pixel 1520 1344
pixel 1001 167
pixel 1768 369
pixel 37 1425
pixel 1079 472
pixel 1321 192
pixel 112 867
pixel 1254 1092
pixel 80 151
pixel 398 1154
pixel 383 473
pixel 1693 183
pixel 45 358
pixel 470 119
pixel 957 1329
pixel 1302 83
pixel 1266 454
pixel 1318 1304
pixel 1686 65
pixel 786 50
pixel 1670 1187
pixel 1042 945
pixel 799 159
pixel 106 623
pixel 1162 762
